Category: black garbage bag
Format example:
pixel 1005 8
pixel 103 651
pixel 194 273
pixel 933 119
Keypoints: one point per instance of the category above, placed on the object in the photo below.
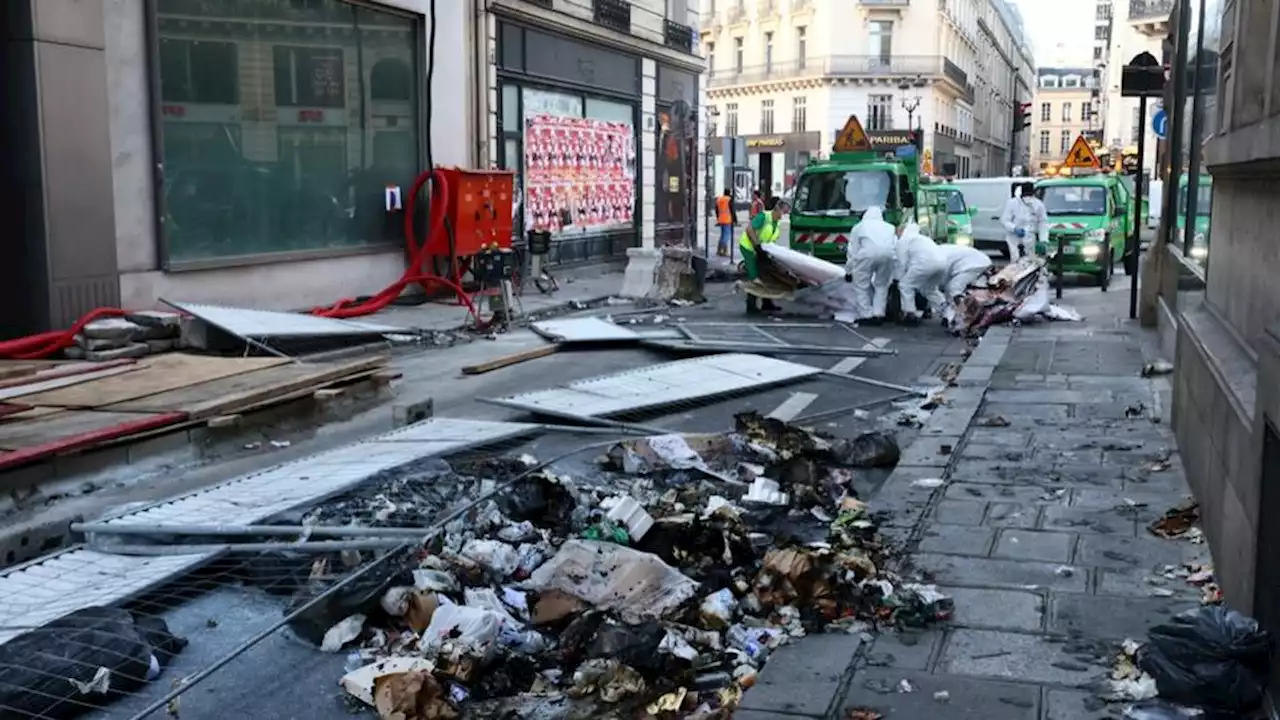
pixel 1209 657
pixel 868 450
pixel 81 661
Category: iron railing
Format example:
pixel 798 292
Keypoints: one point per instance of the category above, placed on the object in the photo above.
pixel 678 36
pixel 953 71
pixel 1150 9
pixel 832 66
pixel 612 14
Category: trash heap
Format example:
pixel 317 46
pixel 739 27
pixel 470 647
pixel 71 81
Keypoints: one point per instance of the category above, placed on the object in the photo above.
pixel 1018 292
pixel 659 584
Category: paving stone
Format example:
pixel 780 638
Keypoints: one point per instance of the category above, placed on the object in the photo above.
pixel 1156 500
pixel 1110 618
pixel 1126 552
pixel 1012 656
pixel 1008 453
pixel 1005 493
pixel 741 714
pixel 1119 384
pixel 975 374
pixel 1089 520
pixel 1079 705
pixel 999 472
pixel 1142 582
pixel 957 540
pixel 1115 409
pixel 1000 609
pixel 960 512
pixel 1043 397
pixel 1077 457
pixel 1096 475
pixel 1020 413
pixel 802 677
pixel 1002 436
pixel 905 650
pixel 1067 439
pixel 1040 545
pixel 1003 514
pixel 999 573
pixel 1028 357
pixel 931 451
pixel 948 421
pixel 900 502
pixel 968 699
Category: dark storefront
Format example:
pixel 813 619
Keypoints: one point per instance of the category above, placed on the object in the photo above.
pixel 675 165
pixel 567 118
pixel 776 158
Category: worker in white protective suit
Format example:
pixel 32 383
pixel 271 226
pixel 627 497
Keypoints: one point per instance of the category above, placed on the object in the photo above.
pixel 923 270
pixel 869 265
pixel 964 265
pixel 1024 222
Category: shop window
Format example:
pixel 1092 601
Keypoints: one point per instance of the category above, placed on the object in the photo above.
pixel 281 126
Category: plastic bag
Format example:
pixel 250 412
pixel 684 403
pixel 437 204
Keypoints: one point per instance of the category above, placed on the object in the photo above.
pixel 873 449
pixel 1209 657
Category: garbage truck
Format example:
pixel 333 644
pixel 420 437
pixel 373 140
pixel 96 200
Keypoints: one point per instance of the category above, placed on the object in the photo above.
pixel 863 170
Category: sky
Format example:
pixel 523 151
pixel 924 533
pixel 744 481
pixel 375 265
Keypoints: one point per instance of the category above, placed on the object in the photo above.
pixel 1061 30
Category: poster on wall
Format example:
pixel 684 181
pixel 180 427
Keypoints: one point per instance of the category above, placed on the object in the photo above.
pixel 579 174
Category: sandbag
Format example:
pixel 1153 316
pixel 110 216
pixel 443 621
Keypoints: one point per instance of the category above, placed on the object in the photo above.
pixel 82 660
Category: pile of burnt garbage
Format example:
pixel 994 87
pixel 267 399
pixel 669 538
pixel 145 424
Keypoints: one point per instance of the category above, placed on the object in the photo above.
pixel 657 585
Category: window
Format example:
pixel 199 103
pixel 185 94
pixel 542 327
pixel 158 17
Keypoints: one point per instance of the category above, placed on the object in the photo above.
pixel 1066 112
pixel 1071 81
pixel 802 47
pixel 1086 111
pixel 799 114
pixel 711 57
pixel 1046 112
pixel 1049 81
pixel 737 54
pixel 1097 52
pixel 768 51
pixel 731 119
pixel 1044 142
pixel 881 45
pixel 274 145
pixel 766 117
pixel 1064 143
pixel 880 112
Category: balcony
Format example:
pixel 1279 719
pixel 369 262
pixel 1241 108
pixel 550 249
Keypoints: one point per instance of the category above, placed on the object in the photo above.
pixel 801 6
pixel 612 14
pixel 886 3
pixel 904 67
pixel 768 9
pixel 677 36
pixel 1150 17
pixel 954 73
pixel 735 14
pixel 546 4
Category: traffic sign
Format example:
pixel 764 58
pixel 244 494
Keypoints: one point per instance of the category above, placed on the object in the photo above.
pixel 1160 124
pixel 852 137
pixel 1082 156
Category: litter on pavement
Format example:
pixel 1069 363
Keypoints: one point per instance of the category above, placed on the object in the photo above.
pixel 1019 292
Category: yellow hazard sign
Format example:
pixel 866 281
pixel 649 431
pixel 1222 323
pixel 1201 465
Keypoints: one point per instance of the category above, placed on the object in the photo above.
pixel 1082 156
pixel 852 137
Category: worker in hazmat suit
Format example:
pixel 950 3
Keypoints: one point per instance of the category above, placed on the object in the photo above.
pixel 923 269
pixel 1024 221
pixel 964 265
pixel 869 265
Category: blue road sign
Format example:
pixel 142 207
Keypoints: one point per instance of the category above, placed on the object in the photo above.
pixel 1160 124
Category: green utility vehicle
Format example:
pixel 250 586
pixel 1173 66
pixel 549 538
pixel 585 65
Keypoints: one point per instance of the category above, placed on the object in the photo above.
pixel 958 223
pixel 832 194
pixel 1092 215
pixel 1204 209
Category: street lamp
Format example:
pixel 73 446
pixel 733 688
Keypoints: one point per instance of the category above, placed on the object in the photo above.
pixel 911 104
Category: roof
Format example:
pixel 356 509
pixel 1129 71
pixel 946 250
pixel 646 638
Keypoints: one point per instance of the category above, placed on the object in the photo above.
pixel 1099 179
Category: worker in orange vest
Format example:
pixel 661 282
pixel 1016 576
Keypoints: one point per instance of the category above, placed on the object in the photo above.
pixel 724 218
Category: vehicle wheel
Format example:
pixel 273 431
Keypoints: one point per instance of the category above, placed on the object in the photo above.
pixel 1104 277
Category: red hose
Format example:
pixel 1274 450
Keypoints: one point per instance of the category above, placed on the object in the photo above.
pixel 43 345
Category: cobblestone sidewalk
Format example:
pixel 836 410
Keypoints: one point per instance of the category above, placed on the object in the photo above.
pixel 1039 533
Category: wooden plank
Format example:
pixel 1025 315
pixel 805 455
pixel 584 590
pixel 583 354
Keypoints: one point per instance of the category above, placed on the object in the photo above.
pixel 230 395
pixel 163 373
pixel 86 434
pixel 31 414
pixel 72 368
pixel 55 428
pixel 35 385
pixel 19 368
pixel 509 360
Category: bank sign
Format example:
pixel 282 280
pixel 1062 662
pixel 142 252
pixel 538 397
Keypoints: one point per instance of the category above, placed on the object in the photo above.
pixel 890 140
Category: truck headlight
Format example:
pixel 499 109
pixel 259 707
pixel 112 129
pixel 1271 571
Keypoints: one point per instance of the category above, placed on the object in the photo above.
pixel 964 240
pixel 1199 252
pixel 1096 235
pixel 1090 252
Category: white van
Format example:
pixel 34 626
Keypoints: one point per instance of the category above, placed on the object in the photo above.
pixel 988 195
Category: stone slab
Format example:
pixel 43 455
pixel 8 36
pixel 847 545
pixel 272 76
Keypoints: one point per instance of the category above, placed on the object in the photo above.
pixel 1007 493
pixel 1125 552
pixel 1009 453
pixel 997 609
pixel 802 677
pixel 1039 545
pixel 1049 397
pixel 967 699
pixel 1140 582
pixel 1004 514
pixel 905 650
pixel 1013 656
pixel 931 451
pixel 1021 414
pixel 1079 705
pixel 959 512
pixel 957 540
pixel 997 573
pixel 1001 436
pixel 1110 618
pixel 1089 520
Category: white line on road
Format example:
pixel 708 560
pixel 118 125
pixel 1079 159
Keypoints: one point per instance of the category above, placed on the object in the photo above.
pixel 849 364
pixel 791 408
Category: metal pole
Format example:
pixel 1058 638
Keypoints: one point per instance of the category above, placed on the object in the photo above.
pixel 1134 246
pixel 160 529
pixel 877 383
pixel 1058 261
pixel 309 547
pixel 1193 168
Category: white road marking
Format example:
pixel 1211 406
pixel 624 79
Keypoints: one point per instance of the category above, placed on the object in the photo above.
pixel 849 364
pixel 791 408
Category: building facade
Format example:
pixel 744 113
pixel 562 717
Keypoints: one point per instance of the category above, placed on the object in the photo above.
pixel 1137 26
pixel 239 151
pixel 1003 80
pixel 785 75
pixel 1065 105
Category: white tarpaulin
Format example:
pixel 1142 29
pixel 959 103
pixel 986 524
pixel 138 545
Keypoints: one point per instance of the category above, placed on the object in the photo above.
pixel 636 585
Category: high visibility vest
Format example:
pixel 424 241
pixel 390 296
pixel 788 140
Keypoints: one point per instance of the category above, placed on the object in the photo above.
pixel 724 215
pixel 768 233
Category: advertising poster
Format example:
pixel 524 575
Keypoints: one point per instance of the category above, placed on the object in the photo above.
pixel 579 174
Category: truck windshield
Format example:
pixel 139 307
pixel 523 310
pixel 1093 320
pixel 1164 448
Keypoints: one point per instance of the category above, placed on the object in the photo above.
pixel 1075 200
pixel 1204 199
pixel 842 193
pixel 955 202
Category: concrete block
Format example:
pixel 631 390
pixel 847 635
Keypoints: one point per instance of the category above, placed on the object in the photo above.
pixel 155 347
pixel 408 413
pixel 638 279
pixel 132 350
pixel 117 329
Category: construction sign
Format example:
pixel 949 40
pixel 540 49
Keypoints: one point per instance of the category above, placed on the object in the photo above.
pixel 852 137
pixel 1082 155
